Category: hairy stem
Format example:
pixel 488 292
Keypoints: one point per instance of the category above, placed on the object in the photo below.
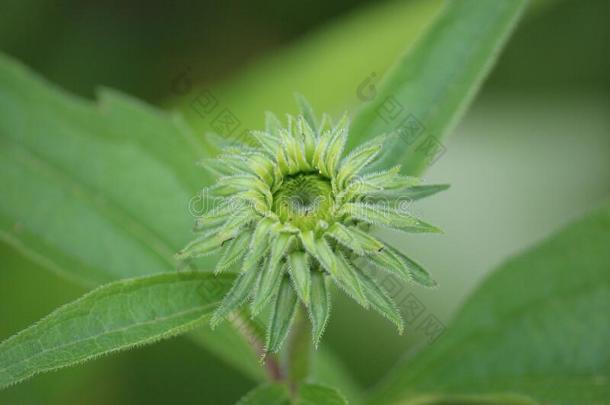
pixel 298 350
pixel 254 335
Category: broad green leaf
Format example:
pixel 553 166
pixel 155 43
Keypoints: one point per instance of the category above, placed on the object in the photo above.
pixel 538 326
pixel 78 197
pixel 100 191
pixel 267 394
pixel 425 94
pixel 116 316
pixel 314 394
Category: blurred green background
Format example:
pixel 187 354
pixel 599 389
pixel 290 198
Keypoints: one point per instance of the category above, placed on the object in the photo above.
pixel 531 154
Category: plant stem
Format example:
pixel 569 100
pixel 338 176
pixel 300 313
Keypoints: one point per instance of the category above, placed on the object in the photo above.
pixel 298 350
pixel 253 334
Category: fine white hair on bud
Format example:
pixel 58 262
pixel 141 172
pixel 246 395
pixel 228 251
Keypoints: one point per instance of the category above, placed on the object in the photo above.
pixel 292 215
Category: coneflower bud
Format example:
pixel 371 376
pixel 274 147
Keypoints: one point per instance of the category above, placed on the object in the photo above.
pixel 295 215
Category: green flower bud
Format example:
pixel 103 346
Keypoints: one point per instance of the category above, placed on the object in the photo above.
pixel 295 217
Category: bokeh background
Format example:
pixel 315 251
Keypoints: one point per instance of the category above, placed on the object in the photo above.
pixel 531 154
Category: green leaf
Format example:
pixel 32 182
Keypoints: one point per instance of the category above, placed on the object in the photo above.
pixel 95 224
pixel 314 394
pixel 267 394
pixel 100 191
pixel 537 326
pixel 282 316
pixel 425 94
pixel 116 316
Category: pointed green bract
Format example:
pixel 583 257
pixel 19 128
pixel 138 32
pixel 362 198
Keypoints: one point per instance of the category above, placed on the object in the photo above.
pixel 298 266
pixel 386 260
pixel 307 111
pixel 346 275
pixel 376 214
pixel 272 124
pixel 282 316
pixel 239 293
pixel 308 239
pixel 356 240
pixel 319 310
pixel 309 139
pixel 320 153
pixel 214 217
pixel 358 159
pixel 258 164
pixel 336 145
pixel 234 252
pixel 202 246
pixel 272 273
pixel 336 265
pixel 380 300
pixel 418 192
pixel 258 246
pixel 417 272
pixel 234 224
pixel 228 186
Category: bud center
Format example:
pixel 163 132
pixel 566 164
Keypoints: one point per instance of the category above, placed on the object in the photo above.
pixel 303 199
